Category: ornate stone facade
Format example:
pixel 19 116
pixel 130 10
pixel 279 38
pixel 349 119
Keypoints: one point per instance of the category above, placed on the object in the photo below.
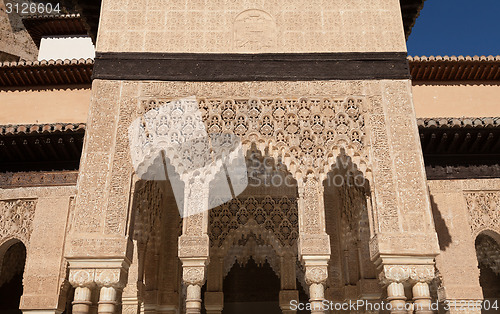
pixel 352 217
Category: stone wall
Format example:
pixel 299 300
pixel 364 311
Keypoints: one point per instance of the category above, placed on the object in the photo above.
pixel 453 99
pixel 15 39
pixel 462 210
pixel 221 26
pixel 62 104
pixel 38 217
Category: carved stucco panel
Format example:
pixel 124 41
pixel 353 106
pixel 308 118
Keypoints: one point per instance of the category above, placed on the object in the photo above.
pixel 305 131
pixel 16 219
pixel 121 170
pixel 97 157
pixel 484 210
pixel 255 31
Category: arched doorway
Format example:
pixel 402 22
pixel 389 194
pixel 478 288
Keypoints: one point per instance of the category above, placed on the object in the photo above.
pixel 11 276
pixel 251 288
pixel 488 257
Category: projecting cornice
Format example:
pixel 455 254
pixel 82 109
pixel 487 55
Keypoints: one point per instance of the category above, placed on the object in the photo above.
pixel 43 73
pixel 41 147
pixel 435 69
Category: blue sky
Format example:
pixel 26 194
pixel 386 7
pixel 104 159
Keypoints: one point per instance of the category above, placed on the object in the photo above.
pixel 457 27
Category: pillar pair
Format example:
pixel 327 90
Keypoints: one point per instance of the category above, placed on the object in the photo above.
pixel 110 282
pixel 416 276
pixel 107 300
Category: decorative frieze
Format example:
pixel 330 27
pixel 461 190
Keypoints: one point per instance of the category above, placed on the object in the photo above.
pixel 304 131
pixel 25 179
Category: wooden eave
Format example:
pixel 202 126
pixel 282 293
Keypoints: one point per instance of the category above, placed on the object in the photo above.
pixel 460 141
pixel 410 10
pixel 455 68
pixel 54 25
pixel 43 73
pixel 47 147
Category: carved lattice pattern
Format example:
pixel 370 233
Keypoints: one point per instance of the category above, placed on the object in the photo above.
pixel 275 214
pixel 305 129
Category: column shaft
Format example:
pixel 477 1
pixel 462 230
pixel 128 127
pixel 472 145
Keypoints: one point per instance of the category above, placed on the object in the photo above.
pixel 107 300
pixel 396 296
pixel 82 300
pixel 193 299
pixel 422 298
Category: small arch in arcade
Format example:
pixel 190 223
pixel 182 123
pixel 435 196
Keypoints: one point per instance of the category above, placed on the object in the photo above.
pixel 12 262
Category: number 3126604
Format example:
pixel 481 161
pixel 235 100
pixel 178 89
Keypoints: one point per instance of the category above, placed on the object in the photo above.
pixel 32 8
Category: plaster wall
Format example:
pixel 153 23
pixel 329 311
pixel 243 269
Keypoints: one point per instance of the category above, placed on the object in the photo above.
pixel 433 100
pixel 51 105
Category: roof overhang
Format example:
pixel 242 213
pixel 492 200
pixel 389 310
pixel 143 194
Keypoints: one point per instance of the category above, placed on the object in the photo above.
pixel 54 25
pixel 44 73
pixel 41 147
pixel 455 68
pixel 410 10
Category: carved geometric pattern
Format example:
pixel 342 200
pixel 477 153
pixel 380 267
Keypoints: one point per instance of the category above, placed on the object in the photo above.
pixel 484 210
pixel 305 129
pixel 274 214
pixel 16 219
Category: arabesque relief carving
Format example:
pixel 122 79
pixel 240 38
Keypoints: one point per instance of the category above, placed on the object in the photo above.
pixel 16 219
pixel 484 210
pixel 275 214
pixel 305 131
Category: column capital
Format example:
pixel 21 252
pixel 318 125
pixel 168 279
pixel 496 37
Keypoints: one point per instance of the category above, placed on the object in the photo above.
pixel 193 271
pixel 82 278
pixel 194 275
pixel 316 274
pixel 406 274
pixel 100 272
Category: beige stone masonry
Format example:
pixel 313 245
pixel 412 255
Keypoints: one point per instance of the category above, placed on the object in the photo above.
pixel 248 26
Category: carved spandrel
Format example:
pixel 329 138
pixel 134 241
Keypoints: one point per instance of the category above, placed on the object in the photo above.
pixel 16 219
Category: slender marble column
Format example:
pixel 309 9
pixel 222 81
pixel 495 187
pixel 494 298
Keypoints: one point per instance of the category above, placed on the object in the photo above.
pixel 396 297
pixel 422 298
pixel 82 300
pixel 107 300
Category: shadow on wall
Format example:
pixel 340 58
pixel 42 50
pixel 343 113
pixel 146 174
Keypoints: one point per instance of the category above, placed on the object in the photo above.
pixel 11 278
pixel 443 233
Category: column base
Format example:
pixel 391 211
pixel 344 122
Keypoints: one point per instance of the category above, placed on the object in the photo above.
pixel 42 311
